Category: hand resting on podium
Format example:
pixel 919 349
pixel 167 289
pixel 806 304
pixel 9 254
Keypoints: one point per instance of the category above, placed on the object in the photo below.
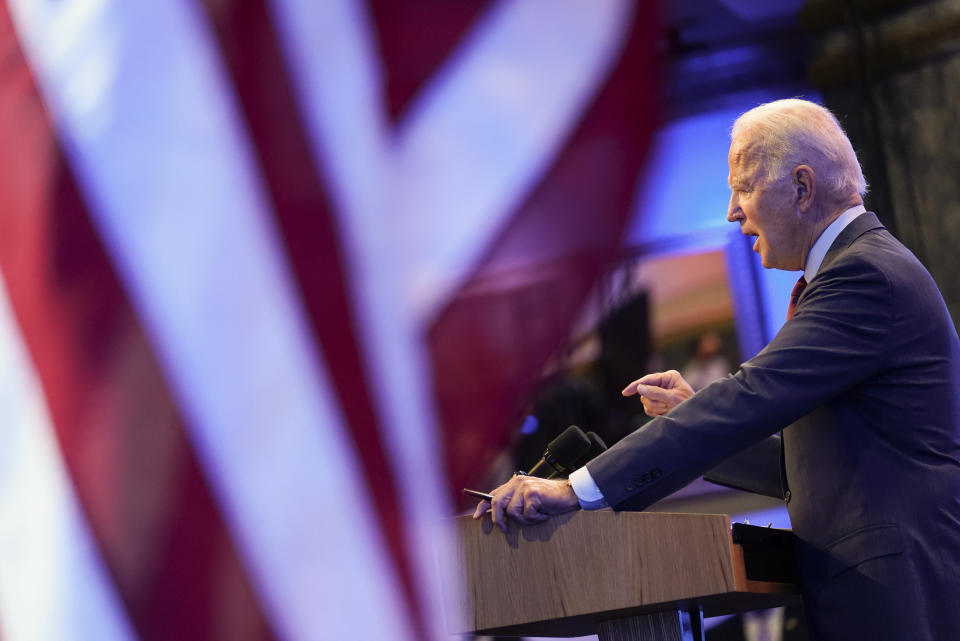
pixel 528 500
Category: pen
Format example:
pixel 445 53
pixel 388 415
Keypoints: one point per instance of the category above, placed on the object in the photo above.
pixel 478 494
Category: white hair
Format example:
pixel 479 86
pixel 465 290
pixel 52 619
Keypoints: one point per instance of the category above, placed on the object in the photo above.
pixel 791 132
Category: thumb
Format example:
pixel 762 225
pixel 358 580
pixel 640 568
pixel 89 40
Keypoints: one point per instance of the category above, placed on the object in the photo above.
pixel 653 392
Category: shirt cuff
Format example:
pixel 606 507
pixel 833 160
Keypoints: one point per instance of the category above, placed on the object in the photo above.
pixel 589 495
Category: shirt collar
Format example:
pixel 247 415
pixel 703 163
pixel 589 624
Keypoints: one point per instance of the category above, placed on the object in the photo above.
pixel 820 247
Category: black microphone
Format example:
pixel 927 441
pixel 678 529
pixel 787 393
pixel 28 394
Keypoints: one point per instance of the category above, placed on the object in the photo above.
pixel 563 452
pixel 597 447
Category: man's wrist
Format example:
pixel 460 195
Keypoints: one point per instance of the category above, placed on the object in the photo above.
pixel 576 500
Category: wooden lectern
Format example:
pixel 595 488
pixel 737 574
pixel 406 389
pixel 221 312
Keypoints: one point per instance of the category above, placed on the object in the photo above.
pixel 622 575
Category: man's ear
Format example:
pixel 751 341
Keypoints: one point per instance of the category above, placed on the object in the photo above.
pixel 805 186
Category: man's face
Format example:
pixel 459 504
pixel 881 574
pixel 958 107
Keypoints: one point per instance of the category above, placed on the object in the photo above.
pixel 766 210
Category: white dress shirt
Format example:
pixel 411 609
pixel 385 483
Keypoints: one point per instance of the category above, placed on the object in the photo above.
pixel 823 243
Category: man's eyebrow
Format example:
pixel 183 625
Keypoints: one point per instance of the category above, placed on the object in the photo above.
pixel 736 182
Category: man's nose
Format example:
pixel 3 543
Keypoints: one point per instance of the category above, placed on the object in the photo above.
pixel 734 212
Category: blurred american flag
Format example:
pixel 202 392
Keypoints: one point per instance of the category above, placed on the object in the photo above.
pixel 276 276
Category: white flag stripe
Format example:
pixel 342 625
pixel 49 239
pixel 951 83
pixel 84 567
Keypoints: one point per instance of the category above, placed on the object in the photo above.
pixel 488 125
pixel 331 53
pixel 180 208
pixel 53 584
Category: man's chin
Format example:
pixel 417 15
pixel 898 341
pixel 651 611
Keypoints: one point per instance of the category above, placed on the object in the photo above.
pixel 769 264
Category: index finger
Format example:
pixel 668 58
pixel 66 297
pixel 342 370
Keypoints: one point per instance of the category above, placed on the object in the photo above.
pixel 631 389
pixel 659 379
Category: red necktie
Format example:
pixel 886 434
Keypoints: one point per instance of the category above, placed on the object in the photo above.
pixel 795 296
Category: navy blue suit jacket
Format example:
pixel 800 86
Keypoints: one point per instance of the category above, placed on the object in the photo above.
pixel 864 381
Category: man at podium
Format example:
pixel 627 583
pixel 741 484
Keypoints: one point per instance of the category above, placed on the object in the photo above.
pixel 863 380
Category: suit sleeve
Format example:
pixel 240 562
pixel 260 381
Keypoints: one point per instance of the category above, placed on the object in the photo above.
pixel 835 340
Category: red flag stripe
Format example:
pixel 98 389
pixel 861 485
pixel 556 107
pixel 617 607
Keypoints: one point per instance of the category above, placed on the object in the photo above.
pixel 312 238
pixel 134 472
pixel 561 237
pixel 409 59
